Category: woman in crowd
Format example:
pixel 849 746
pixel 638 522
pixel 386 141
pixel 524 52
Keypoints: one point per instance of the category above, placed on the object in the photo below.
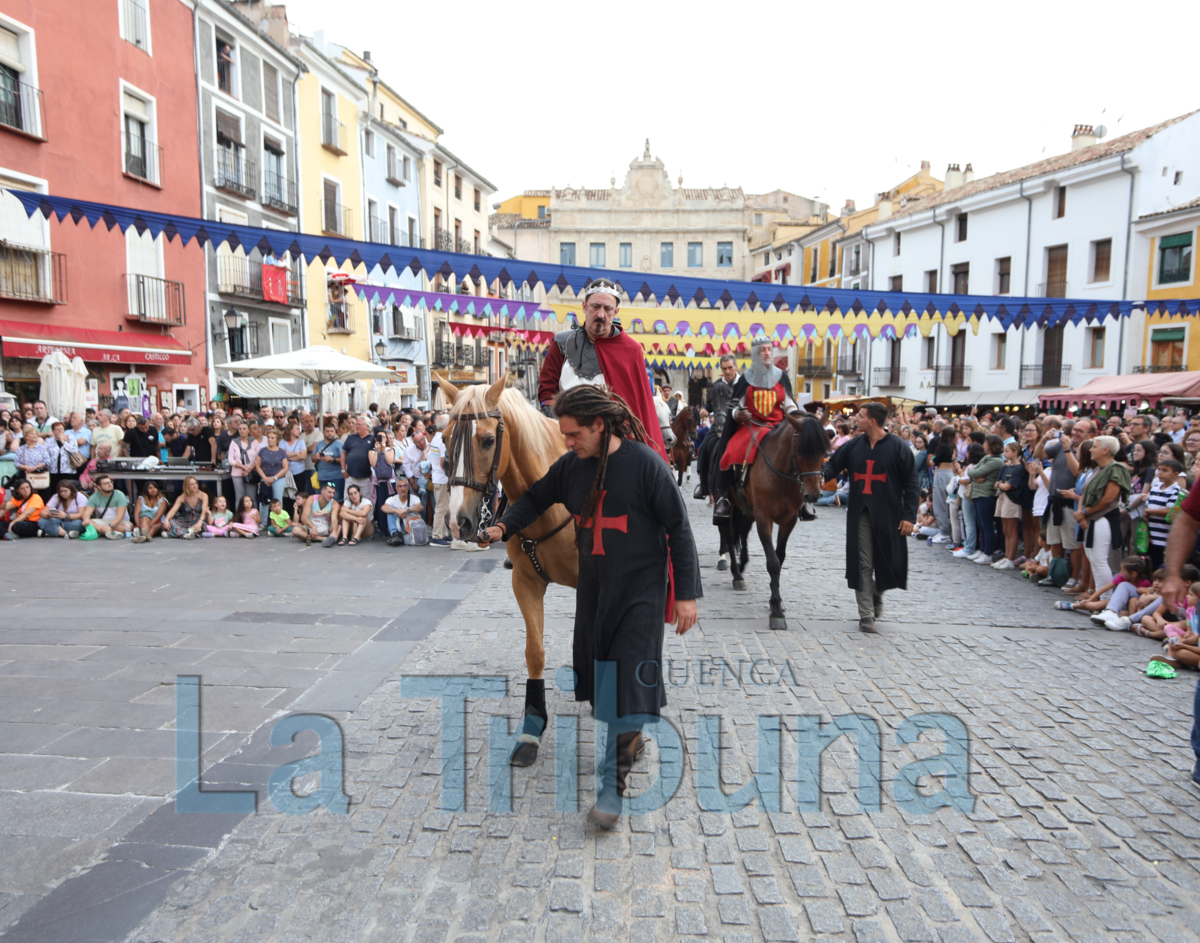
pixel 62 452
pixel 296 451
pixel 33 458
pixel 24 510
pixel 983 496
pixel 148 513
pixel 921 457
pixel 224 435
pixel 188 513
pixel 354 518
pixel 1142 472
pixel 970 528
pixel 249 521
pixel 63 514
pixel 383 462
pixel 1012 487
pixel 101 452
pixel 243 461
pixel 272 466
pixel 1099 512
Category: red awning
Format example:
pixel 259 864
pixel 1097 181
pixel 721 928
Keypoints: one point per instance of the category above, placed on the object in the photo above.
pixel 22 339
pixel 784 270
pixel 762 276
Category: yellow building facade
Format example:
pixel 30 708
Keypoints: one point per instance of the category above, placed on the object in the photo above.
pixel 329 101
pixel 1166 268
pixel 532 204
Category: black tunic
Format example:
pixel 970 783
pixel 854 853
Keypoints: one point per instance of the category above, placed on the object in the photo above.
pixel 883 482
pixel 622 591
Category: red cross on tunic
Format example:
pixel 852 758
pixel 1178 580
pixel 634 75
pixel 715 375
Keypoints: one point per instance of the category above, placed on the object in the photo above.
pixel 869 477
pixel 620 523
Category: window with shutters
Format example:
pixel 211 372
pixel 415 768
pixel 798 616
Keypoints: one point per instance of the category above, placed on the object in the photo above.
pixel 1096 347
pixel 1101 269
pixel 960 228
pixel 226 50
pixel 1003 275
pixel 1175 259
pixel 369 142
pixel 478 199
pixel 896 283
pixel 135 23
pixel 141 157
pixel 931 281
pixel 961 274
pixel 271 91
pixel 1060 202
pixel 626 254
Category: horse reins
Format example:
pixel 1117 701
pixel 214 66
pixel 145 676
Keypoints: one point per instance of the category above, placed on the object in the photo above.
pixel 460 446
pixel 799 477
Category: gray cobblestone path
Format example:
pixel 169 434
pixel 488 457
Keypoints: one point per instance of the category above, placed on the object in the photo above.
pixel 1084 827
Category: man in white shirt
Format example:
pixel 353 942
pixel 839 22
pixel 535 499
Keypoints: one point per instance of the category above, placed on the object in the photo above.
pixel 441 484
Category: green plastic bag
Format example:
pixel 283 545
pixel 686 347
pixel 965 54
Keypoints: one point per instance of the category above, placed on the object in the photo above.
pixel 89 533
pixel 1141 536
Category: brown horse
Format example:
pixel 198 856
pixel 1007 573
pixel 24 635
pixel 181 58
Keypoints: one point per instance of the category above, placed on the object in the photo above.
pixel 786 471
pixel 684 426
pixel 494 435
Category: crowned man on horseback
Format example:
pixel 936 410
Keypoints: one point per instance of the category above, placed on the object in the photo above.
pixel 762 398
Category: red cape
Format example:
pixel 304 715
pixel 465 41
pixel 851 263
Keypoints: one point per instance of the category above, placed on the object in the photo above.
pixel 624 367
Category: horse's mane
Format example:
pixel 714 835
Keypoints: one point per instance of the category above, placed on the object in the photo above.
pixel 538 435
pixel 812 443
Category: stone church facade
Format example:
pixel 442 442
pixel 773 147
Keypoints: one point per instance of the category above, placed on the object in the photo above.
pixel 650 225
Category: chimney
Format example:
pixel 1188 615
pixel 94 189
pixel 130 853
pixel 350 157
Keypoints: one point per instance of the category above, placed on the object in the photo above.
pixel 968 174
pixel 1083 136
pixel 848 208
pixel 885 209
pixel 954 177
pixel 366 55
pixel 924 165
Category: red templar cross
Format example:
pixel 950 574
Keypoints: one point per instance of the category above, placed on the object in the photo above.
pixel 869 477
pixel 606 523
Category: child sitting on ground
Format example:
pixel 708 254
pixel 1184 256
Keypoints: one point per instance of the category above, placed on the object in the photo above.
pixel 280 522
pixel 1158 620
pixel 1039 567
pixel 1124 588
pixel 219 518
pixel 926 522
pixel 1183 650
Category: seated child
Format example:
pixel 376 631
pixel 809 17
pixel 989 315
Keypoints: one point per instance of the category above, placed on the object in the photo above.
pixel 926 522
pixel 219 519
pixel 1125 587
pixel 1039 567
pixel 279 521
pixel 1157 620
pixel 1183 643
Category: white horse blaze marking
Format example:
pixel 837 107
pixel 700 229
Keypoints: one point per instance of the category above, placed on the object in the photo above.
pixel 456 491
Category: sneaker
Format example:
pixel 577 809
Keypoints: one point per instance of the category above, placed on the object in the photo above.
pixel 962 554
pixel 1019 561
pixel 1071 583
pixel 444 542
pixel 457 544
pixel 189 535
pixel 981 558
pixel 72 534
pixel 997 556
pixel 1048 581
pixel 113 535
pixel 137 532
pixel 140 539
pixel 9 535
pixel 1004 564
pixel 941 539
pixel 1120 624
pixel 1064 606
pixel 329 541
pixel 1104 617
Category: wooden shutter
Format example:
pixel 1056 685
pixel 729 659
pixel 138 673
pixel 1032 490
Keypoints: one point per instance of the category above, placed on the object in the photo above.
pixel 271 91
pixel 229 127
pixel 1103 263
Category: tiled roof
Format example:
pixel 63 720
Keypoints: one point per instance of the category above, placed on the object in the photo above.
pixel 510 220
pixel 1084 155
pixel 585 194
pixel 1190 205
pixel 712 193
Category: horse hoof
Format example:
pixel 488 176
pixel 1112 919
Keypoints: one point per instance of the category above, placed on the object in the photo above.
pixel 524 755
pixel 722 564
pixel 777 622
pixel 739 584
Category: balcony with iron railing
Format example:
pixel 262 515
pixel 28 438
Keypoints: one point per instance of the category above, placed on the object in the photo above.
pixel 849 365
pixel 340 318
pixel 243 341
pixel 242 278
pixel 443 353
pixel 1042 374
pixel 333 135
pixel 30 273
pixel 889 376
pixel 134 28
pixel 234 173
pixel 155 300
pixel 335 219
pixel 1160 368
pixel 1054 288
pixel 467 247
pixel 814 368
pixel 22 110
pixel 143 160
pixel 279 192
pixel 444 239
pixel 953 377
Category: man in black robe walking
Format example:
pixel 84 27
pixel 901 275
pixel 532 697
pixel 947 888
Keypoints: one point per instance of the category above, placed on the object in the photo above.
pixel 884 491
pixel 628 515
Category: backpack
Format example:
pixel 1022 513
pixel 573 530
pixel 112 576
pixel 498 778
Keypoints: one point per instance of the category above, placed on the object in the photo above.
pixel 1060 571
pixel 417 534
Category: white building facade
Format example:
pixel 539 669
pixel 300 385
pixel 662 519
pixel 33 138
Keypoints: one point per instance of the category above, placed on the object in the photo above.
pixel 1058 228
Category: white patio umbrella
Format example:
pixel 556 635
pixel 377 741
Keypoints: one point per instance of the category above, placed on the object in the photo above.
pixel 317 364
pixel 79 385
pixel 55 371
pixel 335 397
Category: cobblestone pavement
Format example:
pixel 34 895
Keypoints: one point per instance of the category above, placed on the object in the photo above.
pixel 1084 825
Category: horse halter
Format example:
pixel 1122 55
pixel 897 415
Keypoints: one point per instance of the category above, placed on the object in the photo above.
pixel 460 447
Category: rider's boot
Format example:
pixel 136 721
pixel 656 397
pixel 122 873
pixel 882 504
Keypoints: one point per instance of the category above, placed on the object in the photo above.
pixel 700 491
pixel 722 508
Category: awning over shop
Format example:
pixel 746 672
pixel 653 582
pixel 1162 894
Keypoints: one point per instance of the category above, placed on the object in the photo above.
pixel 251 388
pixel 1140 386
pixel 22 339
pixel 988 398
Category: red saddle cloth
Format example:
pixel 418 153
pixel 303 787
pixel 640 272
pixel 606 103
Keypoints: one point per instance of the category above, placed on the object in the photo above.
pixel 766 409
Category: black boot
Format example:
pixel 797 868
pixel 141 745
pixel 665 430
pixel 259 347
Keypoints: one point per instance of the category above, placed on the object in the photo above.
pixel 535 722
pixel 722 509
pixel 700 492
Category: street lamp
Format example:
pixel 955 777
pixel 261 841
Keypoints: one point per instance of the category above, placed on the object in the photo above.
pixel 233 319
pixel 380 349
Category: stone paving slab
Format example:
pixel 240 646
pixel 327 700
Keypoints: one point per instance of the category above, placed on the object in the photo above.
pixel 1084 825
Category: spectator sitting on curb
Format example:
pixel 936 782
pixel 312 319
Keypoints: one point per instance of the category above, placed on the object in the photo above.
pixel 355 518
pixel 399 509
pixel 318 517
pixel 63 515
pixel 148 513
pixel 1130 582
pixel 112 506
pixel 279 522
pixel 189 512
pixel 24 509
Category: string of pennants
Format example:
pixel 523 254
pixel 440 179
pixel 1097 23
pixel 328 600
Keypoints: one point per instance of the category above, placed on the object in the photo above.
pixel 809 310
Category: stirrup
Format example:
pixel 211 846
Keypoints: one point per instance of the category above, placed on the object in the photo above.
pixel 722 508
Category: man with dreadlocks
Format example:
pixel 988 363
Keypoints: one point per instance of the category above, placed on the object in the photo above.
pixel 628 513
pixel 598 352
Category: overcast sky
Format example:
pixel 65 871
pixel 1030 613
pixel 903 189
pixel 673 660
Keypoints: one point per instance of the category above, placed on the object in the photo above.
pixel 825 100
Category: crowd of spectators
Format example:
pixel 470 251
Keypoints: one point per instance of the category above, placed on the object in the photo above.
pixel 339 478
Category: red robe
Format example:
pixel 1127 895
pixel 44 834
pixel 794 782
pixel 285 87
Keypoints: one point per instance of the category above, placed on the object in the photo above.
pixel 766 407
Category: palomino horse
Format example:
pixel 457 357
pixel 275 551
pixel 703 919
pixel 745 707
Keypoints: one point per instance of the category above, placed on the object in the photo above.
pixel 684 426
pixel 494 436
pixel 786 471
